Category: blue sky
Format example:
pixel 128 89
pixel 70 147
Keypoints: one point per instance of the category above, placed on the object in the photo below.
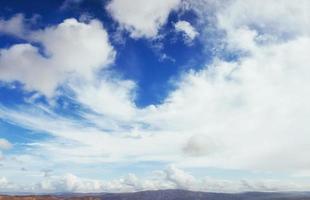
pixel 129 95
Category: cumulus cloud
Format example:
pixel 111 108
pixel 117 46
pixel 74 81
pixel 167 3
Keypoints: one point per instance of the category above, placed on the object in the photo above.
pixel 179 178
pixel 187 29
pixel 141 18
pixel 13 26
pixel 253 107
pixel 170 178
pixel 63 56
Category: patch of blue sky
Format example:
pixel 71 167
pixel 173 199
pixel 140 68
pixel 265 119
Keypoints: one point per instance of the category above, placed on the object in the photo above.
pixel 7 41
pixel 20 136
pixel 151 64
pixel 12 94
pixel 109 171
pixel 14 97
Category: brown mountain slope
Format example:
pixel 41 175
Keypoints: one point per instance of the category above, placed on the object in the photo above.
pixel 167 195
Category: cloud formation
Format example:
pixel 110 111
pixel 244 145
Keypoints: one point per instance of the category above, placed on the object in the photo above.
pixel 141 18
pixel 247 113
pixel 169 178
pixel 61 56
pixel 187 29
pixel 14 26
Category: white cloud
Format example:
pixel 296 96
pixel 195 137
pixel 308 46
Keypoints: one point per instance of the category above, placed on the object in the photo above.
pixel 65 56
pixel 252 109
pixel 5 144
pixel 13 26
pixel 252 114
pixel 169 178
pixel 189 31
pixel 97 94
pixel 271 17
pixel 141 18
pixel 179 178
pixel 264 21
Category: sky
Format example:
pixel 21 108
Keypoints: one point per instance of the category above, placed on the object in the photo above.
pixel 131 95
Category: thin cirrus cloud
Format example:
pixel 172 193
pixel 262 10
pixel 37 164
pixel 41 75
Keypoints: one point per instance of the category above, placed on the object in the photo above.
pixel 244 114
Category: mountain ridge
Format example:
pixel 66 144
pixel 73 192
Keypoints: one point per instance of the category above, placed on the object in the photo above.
pixel 165 195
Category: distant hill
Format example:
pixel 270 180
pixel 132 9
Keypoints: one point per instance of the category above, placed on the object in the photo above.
pixel 168 195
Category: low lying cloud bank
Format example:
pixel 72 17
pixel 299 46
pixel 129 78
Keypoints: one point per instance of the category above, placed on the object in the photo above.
pixel 170 178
